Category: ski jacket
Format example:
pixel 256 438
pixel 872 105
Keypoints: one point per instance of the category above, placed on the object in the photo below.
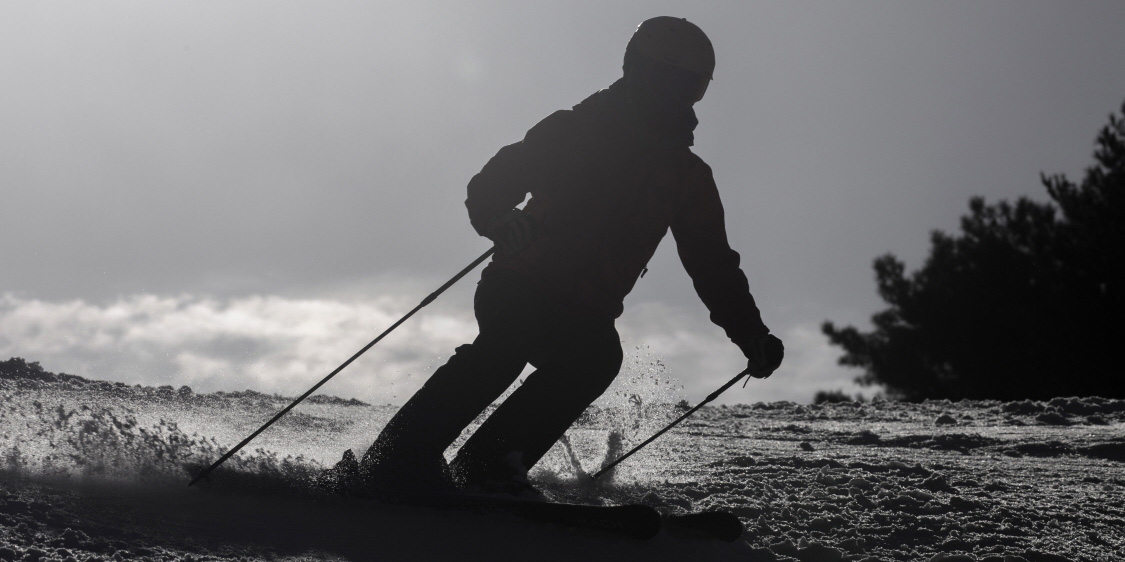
pixel 604 192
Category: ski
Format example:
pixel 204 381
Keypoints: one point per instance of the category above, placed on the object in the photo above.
pixel 633 520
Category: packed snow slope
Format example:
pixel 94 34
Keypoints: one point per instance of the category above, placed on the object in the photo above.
pixel 97 471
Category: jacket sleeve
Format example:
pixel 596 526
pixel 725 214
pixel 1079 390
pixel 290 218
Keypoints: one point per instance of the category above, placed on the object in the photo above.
pixel 701 240
pixel 508 176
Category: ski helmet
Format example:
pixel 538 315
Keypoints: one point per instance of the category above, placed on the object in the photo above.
pixel 674 41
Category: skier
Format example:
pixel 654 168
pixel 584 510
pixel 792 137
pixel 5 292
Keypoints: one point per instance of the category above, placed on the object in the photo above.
pixel 607 180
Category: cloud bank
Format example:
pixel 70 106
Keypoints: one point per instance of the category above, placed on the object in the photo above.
pixel 285 345
pixel 266 343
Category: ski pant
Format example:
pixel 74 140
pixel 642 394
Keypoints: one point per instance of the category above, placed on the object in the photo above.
pixel 576 356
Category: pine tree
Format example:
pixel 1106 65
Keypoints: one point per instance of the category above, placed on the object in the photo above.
pixel 1026 302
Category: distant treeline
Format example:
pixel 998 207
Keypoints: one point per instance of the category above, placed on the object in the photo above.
pixel 21 374
pixel 1027 302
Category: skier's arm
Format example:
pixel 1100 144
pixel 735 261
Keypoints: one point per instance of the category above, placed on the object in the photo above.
pixel 701 240
pixel 498 188
pixel 508 177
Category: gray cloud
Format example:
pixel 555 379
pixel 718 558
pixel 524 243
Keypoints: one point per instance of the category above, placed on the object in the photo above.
pixel 224 150
pixel 264 343
pixel 282 345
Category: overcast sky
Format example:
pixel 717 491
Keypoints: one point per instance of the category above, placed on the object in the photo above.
pixel 237 195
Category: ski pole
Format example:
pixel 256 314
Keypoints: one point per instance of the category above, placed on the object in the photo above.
pixel 709 398
pixel 424 302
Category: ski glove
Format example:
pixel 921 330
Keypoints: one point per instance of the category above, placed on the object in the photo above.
pixel 512 231
pixel 764 355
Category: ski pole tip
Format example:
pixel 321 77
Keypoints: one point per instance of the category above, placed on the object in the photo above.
pixel 202 474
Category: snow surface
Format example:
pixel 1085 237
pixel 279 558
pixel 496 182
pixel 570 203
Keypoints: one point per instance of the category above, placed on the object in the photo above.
pixel 93 470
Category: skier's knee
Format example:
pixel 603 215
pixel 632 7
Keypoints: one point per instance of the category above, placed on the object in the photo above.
pixel 465 356
pixel 609 361
pixel 601 370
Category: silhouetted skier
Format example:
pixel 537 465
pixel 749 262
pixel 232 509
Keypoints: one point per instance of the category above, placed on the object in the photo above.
pixel 607 180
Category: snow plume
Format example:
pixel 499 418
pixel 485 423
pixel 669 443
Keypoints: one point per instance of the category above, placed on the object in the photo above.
pixel 266 343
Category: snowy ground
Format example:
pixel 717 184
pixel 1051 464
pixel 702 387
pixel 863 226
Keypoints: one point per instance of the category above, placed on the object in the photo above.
pixel 98 471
